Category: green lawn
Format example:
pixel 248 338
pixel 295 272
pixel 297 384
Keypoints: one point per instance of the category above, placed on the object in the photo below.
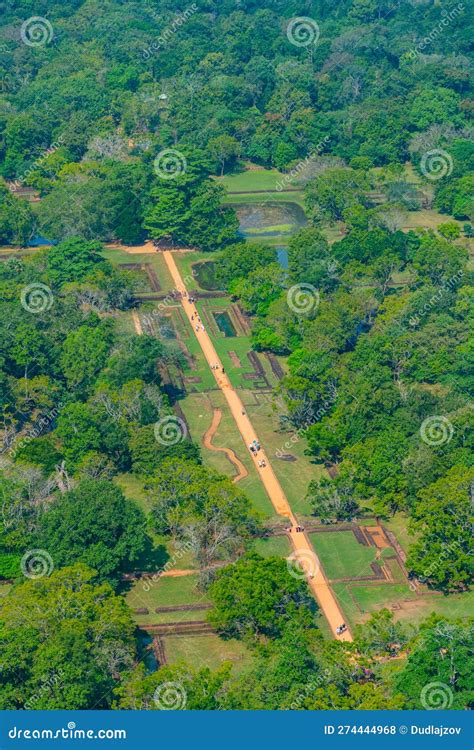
pixel 358 602
pixel 278 546
pixel 251 180
pixel 280 228
pixel 164 592
pixel 210 651
pixel 259 198
pixel 342 555
pixel 453 606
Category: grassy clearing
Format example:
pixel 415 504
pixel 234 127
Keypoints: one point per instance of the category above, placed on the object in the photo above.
pixel 342 555
pixel 358 602
pixel 427 218
pixel 277 228
pixel 278 546
pixel 206 651
pixel 261 198
pixel 124 322
pixel 251 180
pixel 4 589
pixel 395 569
pixel 453 606
pixel 166 591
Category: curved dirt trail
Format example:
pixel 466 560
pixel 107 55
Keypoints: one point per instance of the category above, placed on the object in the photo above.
pixel 303 551
pixel 207 442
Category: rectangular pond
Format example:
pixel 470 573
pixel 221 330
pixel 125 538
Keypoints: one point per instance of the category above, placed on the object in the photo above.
pixel 225 325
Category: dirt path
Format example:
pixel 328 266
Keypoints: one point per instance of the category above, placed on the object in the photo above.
pixel 137 322
pixel 303 550
pixel 207 442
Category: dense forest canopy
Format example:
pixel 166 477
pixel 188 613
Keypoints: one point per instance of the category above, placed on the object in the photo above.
pixel 117 121
pixel 93 93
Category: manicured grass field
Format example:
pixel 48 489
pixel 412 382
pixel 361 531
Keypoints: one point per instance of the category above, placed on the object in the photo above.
pixel 358 602
pixel 278 546
pixel 210 651
pixel 166 591
pixel 260 198
pixel 453 606
pixel 250 180
pixel 280 228
pixel 342 555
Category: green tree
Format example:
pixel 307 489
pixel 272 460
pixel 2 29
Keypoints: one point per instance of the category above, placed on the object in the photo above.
pixel 84 354
pixel 72 260
pixel 438 671
pixel 258 597
pixel 71 655
pixel 94 524
pixel 442 518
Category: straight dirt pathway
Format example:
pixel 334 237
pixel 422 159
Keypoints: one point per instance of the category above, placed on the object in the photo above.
pixel 303 552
